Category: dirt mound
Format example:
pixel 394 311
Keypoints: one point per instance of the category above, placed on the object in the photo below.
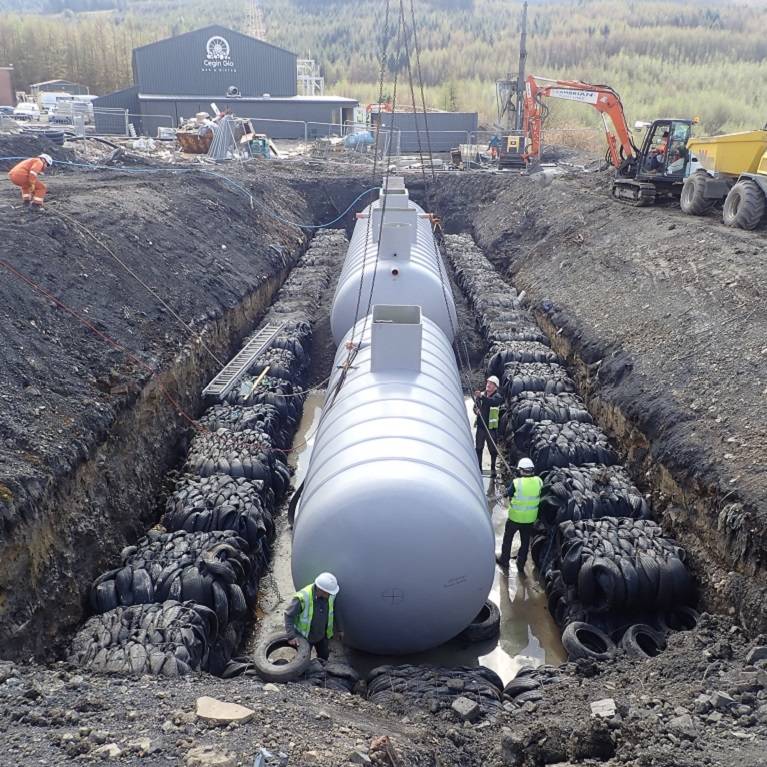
pixel 29 145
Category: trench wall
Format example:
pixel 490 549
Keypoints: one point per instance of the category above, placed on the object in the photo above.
pixel 556 242
pixel 80 474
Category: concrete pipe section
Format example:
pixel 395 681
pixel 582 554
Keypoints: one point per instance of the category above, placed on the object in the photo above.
pixel 393 500
pixel 393 259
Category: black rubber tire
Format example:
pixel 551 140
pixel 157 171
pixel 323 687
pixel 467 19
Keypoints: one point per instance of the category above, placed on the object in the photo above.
pixel 520 685
pixel 582 640
pixel 642 641
pixel 745 205
pixel 678 619
pixel 487 625
pixel 282 672
pixel 692 202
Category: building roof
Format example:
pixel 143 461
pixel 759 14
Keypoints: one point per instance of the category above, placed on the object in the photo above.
pixel 213 28
pixel 52 82
pixel 247 99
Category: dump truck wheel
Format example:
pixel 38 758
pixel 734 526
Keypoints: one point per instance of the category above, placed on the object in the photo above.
pixel 692 201
pixel 745 205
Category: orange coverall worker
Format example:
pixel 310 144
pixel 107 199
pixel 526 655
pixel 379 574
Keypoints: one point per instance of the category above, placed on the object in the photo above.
pixel 25 175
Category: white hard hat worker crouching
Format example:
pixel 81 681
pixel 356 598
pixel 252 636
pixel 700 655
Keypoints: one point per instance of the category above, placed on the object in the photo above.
pixel 311 614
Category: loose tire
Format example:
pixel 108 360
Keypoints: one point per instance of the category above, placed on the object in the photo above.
pixel 281 670
pixel 487 624
pixel 692 201
pixel 745 205
pixel 642 641
pixel 678 619
pixel 582 640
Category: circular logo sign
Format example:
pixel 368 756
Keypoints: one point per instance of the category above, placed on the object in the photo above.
pixel 217 48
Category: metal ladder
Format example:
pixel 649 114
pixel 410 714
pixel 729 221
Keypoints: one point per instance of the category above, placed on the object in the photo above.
pixel 236 368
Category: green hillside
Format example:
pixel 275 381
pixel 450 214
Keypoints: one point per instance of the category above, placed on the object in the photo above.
pixel 665 58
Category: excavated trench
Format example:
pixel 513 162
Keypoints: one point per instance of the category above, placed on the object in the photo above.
pixel 147 440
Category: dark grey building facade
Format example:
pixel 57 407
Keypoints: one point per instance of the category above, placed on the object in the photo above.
pixel 446 129
pixel 178 77
pixel 208 61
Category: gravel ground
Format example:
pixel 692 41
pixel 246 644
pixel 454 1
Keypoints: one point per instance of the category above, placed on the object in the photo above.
pixel 702 702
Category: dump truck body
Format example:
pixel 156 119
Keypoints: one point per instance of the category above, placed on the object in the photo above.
pixel 732 168
pixel 731 155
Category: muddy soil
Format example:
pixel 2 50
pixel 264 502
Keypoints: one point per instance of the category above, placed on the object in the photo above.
pixel 94 407
pixel 662 317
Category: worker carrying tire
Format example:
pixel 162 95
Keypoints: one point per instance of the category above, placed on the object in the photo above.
pixel 311 613
pixel 524 499
pixel 26 176
pixel 487 408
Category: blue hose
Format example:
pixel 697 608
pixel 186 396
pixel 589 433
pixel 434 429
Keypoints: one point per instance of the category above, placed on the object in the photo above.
pixel 225 179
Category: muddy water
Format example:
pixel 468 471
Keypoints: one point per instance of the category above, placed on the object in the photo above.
pixel 528 634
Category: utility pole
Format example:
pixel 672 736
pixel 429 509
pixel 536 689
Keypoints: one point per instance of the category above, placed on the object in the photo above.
pixel 256 26
pixel 519 114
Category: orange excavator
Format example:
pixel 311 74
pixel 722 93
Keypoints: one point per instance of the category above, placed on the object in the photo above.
pixel 642 174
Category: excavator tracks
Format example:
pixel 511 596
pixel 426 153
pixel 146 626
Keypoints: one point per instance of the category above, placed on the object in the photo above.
pixel 637 193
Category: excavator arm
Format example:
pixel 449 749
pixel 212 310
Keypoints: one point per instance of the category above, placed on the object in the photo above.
pixel 620 145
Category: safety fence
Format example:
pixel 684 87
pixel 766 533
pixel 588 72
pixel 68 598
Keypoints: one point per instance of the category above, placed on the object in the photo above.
pixel 325 138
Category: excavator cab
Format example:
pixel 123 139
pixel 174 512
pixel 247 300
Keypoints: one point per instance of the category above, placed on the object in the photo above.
pixel 659 167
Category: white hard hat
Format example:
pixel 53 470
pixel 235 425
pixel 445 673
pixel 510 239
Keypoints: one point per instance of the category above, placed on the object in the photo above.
pixel 327 582
pixel 494 380
pixel 525 464
pixel 47 158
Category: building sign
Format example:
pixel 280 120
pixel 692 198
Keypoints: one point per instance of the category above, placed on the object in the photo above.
pixel 217 56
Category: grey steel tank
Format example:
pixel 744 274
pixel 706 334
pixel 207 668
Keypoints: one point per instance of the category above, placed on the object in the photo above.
pixel 393 501
pixel 394 261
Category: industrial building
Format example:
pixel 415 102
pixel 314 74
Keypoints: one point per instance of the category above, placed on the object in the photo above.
pixel 180 76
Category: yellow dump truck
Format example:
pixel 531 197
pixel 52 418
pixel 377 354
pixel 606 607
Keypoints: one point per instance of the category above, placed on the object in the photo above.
pixel 732 168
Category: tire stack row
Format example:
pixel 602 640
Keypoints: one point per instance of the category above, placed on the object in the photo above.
pixel 608 570
pixel 435 688
pixel 181 597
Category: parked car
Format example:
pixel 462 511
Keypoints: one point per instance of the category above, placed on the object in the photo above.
pixel 26 111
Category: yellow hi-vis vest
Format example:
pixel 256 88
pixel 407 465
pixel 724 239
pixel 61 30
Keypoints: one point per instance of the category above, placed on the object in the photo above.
pixel 523 507
pixel 304 619
pixel 492 418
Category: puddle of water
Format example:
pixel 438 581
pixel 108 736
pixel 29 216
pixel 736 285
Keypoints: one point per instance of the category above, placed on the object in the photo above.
pixel 528 635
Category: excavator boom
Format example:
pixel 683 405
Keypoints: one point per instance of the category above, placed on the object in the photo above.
pixel 620 145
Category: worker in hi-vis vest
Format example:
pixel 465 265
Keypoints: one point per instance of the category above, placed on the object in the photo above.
pixel 487 407
pixel 311 613
pixel 524 498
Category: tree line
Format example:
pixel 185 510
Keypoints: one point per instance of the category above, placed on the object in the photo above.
pixel 665 57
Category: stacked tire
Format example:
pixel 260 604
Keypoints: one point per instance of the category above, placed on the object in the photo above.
pixel 180 600
pixel 435 688
pixel 609 572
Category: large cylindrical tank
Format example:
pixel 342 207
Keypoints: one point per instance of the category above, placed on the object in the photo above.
pixel 394 261
pixel 393 501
